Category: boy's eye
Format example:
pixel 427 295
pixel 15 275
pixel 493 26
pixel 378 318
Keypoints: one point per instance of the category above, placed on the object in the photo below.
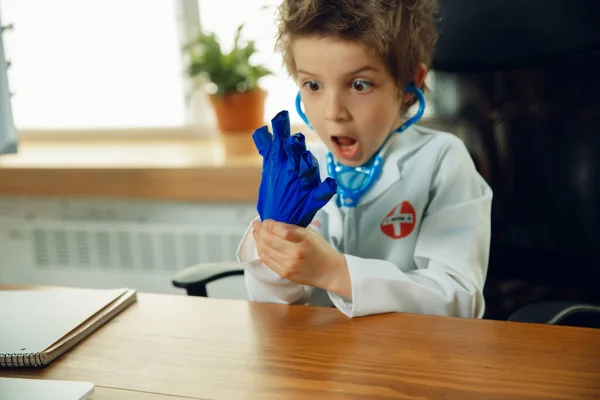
pixel 361 86
pixel 313 86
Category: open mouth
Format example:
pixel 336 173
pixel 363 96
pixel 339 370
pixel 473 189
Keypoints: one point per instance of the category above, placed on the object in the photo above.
pixel 346 147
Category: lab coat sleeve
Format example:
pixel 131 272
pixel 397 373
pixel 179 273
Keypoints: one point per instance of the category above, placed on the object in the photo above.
pixel 262 283
pixel 451 253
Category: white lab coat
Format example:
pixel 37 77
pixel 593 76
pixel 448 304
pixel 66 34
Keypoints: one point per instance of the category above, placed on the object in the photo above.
pixel 418 241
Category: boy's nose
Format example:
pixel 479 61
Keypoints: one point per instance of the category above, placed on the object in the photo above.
pixel 335 109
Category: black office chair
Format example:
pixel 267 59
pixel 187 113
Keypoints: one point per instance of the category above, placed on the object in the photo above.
pixel 519 82
pixel 195 279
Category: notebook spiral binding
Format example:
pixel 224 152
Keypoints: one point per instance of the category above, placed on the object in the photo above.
pixel 20 360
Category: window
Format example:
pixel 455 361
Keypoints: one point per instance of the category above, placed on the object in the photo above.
pixel 94 63
pixel 100 64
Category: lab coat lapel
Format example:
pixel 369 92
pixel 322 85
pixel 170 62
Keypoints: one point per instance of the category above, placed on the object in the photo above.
pixel 393 163
pixel 401 145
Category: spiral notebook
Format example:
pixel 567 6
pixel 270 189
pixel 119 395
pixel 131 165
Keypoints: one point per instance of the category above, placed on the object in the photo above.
pixel 37 326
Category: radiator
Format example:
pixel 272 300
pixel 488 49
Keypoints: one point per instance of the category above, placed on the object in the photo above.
pixel 48 248
pixel 129 247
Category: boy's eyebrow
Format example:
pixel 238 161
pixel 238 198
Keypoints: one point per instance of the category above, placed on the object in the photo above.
pixel 362 69
pixel 301 71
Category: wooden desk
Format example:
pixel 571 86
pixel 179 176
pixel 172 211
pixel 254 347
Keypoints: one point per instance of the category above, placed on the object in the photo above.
pixel 169 347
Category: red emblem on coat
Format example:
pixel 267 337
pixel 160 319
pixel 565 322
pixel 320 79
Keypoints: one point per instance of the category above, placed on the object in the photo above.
pixel 400 222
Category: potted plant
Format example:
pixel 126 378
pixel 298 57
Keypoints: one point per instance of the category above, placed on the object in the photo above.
pixel 238 100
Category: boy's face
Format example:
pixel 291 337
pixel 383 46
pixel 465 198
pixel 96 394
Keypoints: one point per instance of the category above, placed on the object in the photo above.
pixel 349 97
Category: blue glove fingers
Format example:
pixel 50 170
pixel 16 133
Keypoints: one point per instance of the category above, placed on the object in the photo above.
pixel 294 146
pixel 262 140
pixel 281 125
pixel 317 200
pixel 323 193
pixel 281 131
pixel 309 169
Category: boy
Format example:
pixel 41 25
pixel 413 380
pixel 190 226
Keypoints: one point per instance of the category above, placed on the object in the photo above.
pixel 413 235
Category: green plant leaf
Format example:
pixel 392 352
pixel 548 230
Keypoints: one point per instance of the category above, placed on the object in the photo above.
pixel 228 71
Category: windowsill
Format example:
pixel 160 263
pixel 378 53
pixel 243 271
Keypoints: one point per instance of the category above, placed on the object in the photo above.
pixel 160 164
pixel 178 168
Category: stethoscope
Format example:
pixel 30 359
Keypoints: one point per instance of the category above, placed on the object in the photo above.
pixel 354 182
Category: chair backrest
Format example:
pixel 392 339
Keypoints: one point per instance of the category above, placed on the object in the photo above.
pixel 519 82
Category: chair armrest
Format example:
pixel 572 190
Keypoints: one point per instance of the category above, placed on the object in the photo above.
pixel 194 279
pixel 559 313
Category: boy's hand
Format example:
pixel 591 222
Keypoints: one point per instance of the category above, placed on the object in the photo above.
pixel 302 256
pixel 290 190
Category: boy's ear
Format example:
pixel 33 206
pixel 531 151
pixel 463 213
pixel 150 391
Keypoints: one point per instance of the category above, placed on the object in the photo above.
pixel 418 80
pixel 420 75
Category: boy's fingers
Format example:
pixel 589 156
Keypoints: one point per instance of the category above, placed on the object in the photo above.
pixel 269 253
pixel 291 233
pixel 266 258
pixel 271 240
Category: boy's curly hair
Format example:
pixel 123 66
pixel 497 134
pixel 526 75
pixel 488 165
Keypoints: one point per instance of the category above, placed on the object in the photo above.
pixel 401 32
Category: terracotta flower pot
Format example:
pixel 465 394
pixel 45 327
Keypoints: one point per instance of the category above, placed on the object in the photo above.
pixel 239 112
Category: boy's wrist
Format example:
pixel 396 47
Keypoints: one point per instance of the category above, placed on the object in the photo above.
pixel 339 280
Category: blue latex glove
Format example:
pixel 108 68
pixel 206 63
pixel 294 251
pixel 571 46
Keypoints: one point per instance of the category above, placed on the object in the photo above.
pixel 291 190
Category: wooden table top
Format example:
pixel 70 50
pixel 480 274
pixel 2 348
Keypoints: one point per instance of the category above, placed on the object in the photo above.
pixel 169 347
